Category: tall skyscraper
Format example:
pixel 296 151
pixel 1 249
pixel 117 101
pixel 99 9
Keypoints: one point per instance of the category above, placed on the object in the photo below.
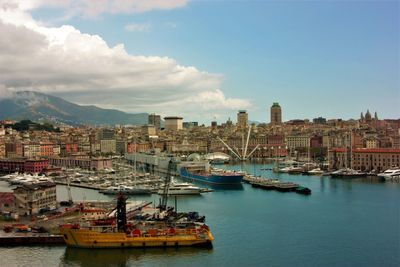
pixel 242 119
pixel 276 114
pixel 155 120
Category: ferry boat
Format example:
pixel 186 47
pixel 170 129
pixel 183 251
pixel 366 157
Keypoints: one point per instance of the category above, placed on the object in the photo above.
pixel 166 229
pixel 212 177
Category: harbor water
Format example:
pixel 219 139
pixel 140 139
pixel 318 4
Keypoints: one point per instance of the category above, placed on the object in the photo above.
pixel 342 223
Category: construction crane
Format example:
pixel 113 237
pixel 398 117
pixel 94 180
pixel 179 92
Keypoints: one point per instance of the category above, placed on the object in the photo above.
pixel 69 202
pixel 167 181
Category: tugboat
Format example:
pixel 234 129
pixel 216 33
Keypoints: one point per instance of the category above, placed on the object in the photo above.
pixel 165 228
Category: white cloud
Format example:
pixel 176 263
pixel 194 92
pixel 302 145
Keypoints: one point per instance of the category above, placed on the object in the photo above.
pixel 137 27
pixel 85 69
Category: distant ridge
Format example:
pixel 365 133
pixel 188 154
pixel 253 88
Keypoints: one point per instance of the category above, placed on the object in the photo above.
pixel 37 106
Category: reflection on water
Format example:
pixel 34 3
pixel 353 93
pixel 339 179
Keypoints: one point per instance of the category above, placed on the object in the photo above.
pixel 129 257
pixel 226 187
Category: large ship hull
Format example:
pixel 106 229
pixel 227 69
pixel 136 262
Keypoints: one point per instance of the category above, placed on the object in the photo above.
pixel 212 178
pixel 85 238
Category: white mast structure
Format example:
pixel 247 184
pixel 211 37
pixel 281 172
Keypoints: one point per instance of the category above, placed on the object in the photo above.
pixel 241 156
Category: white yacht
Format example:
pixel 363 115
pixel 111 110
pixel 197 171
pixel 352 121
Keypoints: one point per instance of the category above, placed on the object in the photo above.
pixel 128 190
pixel 316 171
pixel 390 174
pixel 181 189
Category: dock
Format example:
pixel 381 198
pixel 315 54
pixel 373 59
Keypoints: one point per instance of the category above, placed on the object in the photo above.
pixel 275 184
pixel 18 239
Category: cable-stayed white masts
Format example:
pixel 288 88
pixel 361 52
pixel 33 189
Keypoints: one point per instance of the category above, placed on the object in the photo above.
pixel 245 146
pixel 229 148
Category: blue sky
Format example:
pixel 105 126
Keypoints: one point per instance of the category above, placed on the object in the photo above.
pixel 316 58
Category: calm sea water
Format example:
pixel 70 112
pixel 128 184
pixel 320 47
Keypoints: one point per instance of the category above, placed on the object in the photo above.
pixel 343 223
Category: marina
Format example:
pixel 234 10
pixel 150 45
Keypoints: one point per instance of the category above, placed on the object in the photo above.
pixel 278 221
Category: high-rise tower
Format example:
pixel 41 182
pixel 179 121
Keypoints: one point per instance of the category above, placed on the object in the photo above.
pixel 242 119
pixel 155 120
pixel 276 114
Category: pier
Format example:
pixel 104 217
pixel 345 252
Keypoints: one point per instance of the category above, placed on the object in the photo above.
pixel 275 184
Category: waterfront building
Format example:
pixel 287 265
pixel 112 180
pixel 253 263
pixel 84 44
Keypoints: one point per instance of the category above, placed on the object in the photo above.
pixel 24 165
pixel 173 123
pixel 298 145
pixel 377 159
pixel 276 114
pixel 34 198
pixel 297 141
pixel 83 163
pixel 155 120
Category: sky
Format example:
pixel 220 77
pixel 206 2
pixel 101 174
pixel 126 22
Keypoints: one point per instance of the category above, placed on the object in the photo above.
pixel 205 60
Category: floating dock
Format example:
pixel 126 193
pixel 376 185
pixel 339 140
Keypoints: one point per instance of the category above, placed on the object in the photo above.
pixel 15 239
pixel 274 184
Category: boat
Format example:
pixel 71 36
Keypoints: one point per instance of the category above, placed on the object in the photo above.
pixel 347 173
pixel 303 190
pixel 166 228
pixel 286 187
pixel 182 189
pixel 316 171
pixel 294 170
pixel 128 190
pixel 221 177
pixel 390 174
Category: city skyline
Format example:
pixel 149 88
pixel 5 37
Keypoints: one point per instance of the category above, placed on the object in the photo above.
pixel 207 60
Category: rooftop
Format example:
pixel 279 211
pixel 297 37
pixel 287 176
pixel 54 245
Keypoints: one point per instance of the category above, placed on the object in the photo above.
pixel 173 118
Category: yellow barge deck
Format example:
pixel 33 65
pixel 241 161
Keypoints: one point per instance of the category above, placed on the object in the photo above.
pixel 89 238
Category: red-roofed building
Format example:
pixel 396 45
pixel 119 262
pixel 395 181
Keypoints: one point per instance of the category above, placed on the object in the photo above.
pixel 24 165
pixel 7 202
pixel 365 159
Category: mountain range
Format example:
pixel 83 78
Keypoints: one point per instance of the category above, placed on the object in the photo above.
pixel 37 106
